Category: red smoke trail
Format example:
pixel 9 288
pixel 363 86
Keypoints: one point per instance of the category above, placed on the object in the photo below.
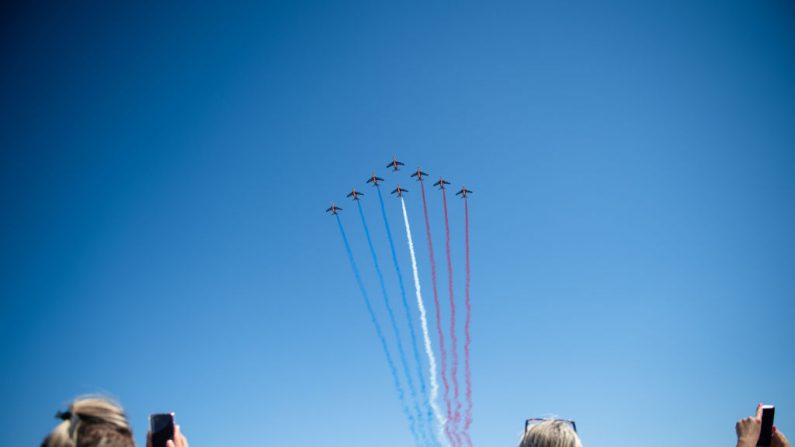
pixel 453 338
pixel 467 336
pixel 439 331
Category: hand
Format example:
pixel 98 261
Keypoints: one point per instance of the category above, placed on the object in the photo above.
pixel 181 441
pixel 779 440
pixel 748 429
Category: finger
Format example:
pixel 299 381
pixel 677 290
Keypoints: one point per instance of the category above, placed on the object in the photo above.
pixel 170 443
pixel 759 412
pixel 179 438
pixel 782 440
pixel 149 439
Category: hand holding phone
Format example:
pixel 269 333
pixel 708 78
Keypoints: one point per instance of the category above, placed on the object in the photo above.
pixel 164 432
pixel 161 429
pixel 766 429
pixel 758 430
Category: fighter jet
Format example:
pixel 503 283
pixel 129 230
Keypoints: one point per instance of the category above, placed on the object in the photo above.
pixel 394 164
pixel 334 209
pixel 355 194
pixel 374 179
pixel 399 191
pixel 441 183
pixel 419 174
pixel 463 193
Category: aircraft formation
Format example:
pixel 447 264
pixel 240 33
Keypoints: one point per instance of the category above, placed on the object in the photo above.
pixel 395 166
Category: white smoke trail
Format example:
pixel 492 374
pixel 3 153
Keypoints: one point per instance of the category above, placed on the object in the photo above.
pixel 428 350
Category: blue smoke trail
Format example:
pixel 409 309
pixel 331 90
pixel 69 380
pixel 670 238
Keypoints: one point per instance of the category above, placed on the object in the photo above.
pixel 415 350
pixel 379 333
pixel 395 329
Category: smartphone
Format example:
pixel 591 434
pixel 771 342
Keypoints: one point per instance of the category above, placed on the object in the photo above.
pixel 161 425
pixel 766 434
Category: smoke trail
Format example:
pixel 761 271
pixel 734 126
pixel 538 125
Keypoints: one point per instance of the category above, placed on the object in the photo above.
pixel 379 333
pixel 453 338
pixel 439 330
pixel 404 301
pixel 395 329
pixel 424 323
pixel 467 335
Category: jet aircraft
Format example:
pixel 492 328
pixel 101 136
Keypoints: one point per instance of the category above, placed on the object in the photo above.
pixel 374 180
pixel 463 193
pixel 441 183
pixel 394 164
pixel 418 174
pixel 399 191
pixel 333 209
pixel 354 194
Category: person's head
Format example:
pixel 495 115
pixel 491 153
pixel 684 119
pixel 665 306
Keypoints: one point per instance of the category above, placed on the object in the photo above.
pixel 552 433
pixel 91 422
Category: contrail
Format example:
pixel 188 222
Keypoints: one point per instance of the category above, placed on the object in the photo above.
pixel 439 330
pixel 453 338
pixel 404 301
pixel 380 334
pixel 426 337
pixel 395 329
pixel 467 335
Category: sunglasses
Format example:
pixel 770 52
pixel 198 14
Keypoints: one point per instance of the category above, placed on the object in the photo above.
pixel 533 421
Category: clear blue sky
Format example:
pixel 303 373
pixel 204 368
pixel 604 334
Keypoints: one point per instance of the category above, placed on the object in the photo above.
pixel 164 171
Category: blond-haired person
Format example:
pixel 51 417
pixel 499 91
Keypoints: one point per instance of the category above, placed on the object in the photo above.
pixel 550 433
pixel 91 422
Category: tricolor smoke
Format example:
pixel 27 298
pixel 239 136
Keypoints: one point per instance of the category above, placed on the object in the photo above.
pixel 419 420
pixel 429 425
pixel 426 337
pixel 379 332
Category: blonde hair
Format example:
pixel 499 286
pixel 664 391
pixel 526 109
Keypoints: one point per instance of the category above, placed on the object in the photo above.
pixel 550 434
pixel 91 421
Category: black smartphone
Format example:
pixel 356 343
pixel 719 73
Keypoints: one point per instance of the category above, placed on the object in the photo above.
pixel 766 434
pixel 161 425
